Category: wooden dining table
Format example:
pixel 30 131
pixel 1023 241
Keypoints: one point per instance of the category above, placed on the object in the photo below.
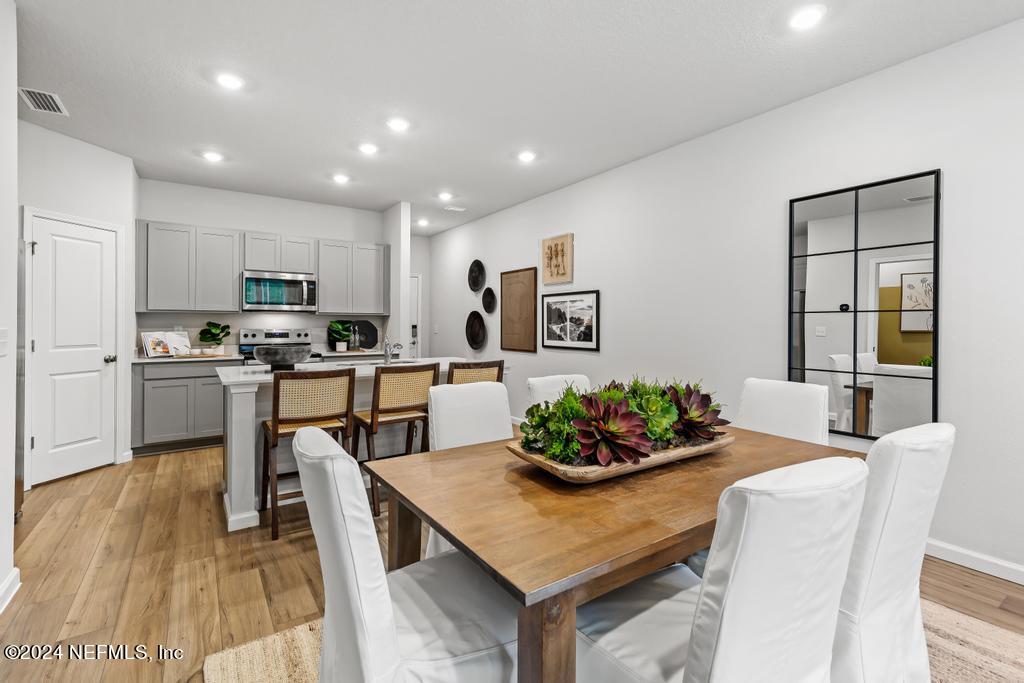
pixel 864 393
pixel 553 545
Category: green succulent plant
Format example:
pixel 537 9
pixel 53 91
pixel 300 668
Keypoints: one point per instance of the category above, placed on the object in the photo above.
pixel 548 427
pixel 214 333
pixel 927 361
pixel 651 400
pixel 339 331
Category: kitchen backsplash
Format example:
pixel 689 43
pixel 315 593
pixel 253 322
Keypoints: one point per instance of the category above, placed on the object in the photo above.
pixel 193 322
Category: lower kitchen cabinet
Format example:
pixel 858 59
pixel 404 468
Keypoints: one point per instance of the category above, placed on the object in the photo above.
pixel 176 402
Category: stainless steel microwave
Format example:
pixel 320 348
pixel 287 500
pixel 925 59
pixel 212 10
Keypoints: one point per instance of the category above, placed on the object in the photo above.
pixel 269 291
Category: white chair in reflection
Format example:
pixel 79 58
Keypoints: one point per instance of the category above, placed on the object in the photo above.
pixel 441 619
pixel 461 415
pixel 840 367
pixel 791 409
pixel 769 602
pixel 549 388
pixel 866 361
pixel 880 636
pixel 902 401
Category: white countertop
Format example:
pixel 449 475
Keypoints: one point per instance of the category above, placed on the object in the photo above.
pixel 260 374
pixel 184 359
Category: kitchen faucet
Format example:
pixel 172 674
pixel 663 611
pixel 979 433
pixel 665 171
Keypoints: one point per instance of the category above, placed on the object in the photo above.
pixel 389 350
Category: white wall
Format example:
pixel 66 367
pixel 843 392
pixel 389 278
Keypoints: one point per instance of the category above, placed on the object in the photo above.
pixel 689 250
pixel 398 233
pixel 9 579
pixel 419 263
pixel 61 174
pixel 177 203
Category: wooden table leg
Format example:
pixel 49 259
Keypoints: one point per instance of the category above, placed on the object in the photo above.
pixel 863 397
pixel 547 640
pixel 403 534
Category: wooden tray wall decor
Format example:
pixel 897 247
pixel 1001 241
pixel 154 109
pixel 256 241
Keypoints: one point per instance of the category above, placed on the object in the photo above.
pixel 594 473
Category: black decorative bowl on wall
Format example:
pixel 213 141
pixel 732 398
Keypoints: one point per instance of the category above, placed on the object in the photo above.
pixel 490 300
pixel 476 331
pixel 477 275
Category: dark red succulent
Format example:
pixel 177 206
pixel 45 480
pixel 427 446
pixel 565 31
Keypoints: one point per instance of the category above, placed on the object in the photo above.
pixel 698 413
pixel 611 431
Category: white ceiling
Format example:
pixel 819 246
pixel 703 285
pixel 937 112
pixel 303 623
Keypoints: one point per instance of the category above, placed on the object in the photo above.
pixel 589 85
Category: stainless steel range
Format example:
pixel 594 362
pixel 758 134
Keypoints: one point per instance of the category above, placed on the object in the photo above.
pixel 250 339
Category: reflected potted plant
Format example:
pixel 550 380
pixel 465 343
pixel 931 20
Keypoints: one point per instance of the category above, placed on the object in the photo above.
pixel 214 334
pixel 339 332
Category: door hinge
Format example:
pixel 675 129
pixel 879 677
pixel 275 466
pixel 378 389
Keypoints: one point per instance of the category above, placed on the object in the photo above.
pixel 32 246
pixel 31 443
pixel 33 346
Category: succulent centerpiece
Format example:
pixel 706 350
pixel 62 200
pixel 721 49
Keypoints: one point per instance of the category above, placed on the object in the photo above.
pixel 621 423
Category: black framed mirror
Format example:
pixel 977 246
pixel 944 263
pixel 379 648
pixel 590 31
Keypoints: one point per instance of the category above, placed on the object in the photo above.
pixel 864 301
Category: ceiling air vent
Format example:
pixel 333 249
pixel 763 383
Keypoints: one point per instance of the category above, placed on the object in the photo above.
pixel 37 100
pixel 457 209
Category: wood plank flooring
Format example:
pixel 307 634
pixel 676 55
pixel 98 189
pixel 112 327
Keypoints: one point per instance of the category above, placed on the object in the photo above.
pixel 138 553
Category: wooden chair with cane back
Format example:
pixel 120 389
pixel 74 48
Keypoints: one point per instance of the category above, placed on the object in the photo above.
pixel 323 399
pixel 466 373
pixel 400 395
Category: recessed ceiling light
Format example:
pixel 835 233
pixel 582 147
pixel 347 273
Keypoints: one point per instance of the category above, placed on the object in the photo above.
pixel 423 222
pixel 399 125
pixel 340 178
pixel 230 81
pixel 213 157
pixel 445 196
pixel 369 149
pixel 807 17
pixel 527 156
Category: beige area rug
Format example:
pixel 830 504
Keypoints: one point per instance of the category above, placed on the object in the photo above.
pixel 961 648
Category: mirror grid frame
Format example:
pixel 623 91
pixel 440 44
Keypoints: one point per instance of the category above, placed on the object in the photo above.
pixel 793 370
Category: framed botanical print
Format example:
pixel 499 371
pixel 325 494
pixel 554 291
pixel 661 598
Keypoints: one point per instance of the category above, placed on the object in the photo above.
pixel 556 259
pixel 571 320
pixel 917 308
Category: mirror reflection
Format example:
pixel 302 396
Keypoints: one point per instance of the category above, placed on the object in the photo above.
pixel 862 315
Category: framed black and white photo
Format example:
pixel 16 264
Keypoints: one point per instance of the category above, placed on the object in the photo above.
pixel 571 320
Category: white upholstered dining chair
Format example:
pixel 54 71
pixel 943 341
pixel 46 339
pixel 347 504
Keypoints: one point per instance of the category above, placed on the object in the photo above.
pixel 437 620
pixel 880 636
pixel 461 415
pixel 549 388
pixel 791 409
pixel 767 607
pixel 900 401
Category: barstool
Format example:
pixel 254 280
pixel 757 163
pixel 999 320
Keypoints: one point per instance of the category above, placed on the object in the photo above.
pixel 304 399
pixel 467 373
pixel 400 395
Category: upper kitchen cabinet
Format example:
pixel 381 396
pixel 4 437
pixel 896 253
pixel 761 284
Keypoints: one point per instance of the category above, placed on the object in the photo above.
pixel 217 270
pixel 369 275
pixel 170 258
pixel 262 251
pixel 185 268
pixel 334 283
pixel 298 254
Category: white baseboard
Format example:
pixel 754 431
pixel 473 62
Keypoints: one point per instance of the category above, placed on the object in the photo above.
pixel 518 420
pixel 9 587
pixel 981 562
pixel 123 457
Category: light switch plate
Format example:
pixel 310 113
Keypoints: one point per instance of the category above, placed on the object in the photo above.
pixel 819 332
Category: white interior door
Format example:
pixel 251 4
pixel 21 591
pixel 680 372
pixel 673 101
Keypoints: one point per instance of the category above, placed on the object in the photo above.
pixel 72 378
pixel 414 316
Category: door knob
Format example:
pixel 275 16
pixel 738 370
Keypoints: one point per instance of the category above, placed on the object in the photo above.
pixel 112 358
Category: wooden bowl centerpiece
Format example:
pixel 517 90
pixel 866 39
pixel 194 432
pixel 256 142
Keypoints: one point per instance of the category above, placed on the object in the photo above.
pixel 620 429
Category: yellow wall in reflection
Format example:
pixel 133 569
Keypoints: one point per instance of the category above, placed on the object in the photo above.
pixel 901 348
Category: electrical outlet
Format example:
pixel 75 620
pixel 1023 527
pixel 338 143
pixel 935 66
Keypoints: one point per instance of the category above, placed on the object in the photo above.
pixel 820 332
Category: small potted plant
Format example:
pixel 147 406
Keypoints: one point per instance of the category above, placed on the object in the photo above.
pixel 338 334
pixel 214 334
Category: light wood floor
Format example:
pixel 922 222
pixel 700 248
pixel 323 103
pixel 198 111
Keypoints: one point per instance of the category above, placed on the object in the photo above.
pixel 138 553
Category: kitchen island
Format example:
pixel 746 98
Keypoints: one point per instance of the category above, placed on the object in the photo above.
pixel 248 401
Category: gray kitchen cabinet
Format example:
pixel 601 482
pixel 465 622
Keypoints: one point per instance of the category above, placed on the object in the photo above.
pixel 170 267
pixel 169 410
pixel 217 270
pixel 298 254
pixel 368 278
pixel 209 407
pixel 262 251
pixel 334 282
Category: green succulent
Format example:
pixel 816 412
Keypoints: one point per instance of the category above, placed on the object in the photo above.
pixel 548 427
pixel 339 331
pixel 214 333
